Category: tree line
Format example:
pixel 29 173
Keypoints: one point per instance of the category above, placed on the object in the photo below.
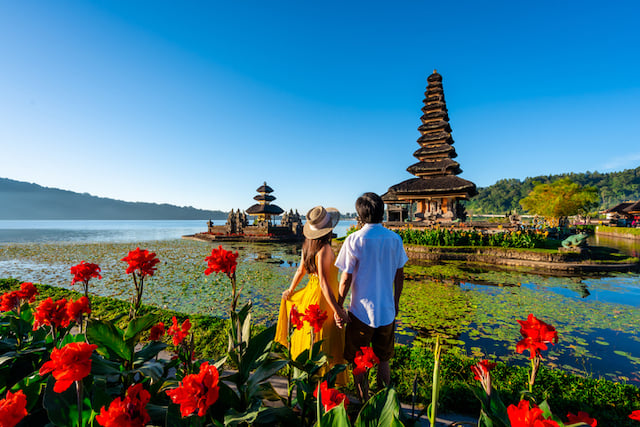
pixel 505 195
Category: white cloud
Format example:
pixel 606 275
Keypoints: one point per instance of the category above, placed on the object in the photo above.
pixel 622 162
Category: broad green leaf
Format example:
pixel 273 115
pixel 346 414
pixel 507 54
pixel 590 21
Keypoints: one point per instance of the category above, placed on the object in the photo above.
pixel 109 339
pixel 139 325
pixel 148 352
pixel 383 409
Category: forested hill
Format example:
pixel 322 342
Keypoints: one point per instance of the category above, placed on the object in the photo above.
pixel 505 195
pixel 22 200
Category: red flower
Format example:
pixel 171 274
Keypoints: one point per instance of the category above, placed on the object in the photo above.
pixel 296 318
pixel 84 271
pixel 221 261
pixel 157 331
pixel 481 369
pixel 635 415
pixel 365 359
pixel 315 317
pixel 524 416
pixel 330 396
pixel 75 309
pixel 197 391
pixel 582 417
pixel 179 333
pixel 14 299
pixel 536 335
pixel 28 292
pixel 141 261
pixel 51 313
pixel 10 301
pixel 127 412
pixel 68 364
pixel 13 408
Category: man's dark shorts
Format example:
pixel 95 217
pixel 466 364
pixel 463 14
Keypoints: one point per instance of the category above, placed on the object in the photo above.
pixel 359 334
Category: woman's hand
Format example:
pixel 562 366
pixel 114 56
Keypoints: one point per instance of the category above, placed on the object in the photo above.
pixel 341 317
pixel 287 293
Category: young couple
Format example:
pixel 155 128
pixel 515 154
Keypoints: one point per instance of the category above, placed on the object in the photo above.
pixel 371 261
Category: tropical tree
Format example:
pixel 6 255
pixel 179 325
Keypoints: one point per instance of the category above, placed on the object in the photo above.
pixel 560 199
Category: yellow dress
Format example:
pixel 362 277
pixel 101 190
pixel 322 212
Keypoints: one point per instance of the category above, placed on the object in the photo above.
pixel 332 336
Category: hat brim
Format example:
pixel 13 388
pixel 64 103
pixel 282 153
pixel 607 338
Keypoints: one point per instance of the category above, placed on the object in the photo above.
pixel 334 216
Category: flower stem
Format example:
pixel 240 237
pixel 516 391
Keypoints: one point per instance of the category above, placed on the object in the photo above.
pixel 79 391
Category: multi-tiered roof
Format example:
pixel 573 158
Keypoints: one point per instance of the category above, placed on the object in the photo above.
pixel 264 206
pixel 435 170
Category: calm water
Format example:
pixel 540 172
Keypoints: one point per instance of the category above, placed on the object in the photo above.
pixel 36 231
pixel 597 317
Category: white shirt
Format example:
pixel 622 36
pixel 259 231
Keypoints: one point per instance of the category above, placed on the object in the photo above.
pixel 372 255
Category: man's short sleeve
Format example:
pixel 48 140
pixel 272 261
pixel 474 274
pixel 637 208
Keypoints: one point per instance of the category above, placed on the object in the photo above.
pixel 402 254
pixel 346 259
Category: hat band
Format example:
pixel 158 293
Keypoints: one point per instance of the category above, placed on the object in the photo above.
pixel 321 225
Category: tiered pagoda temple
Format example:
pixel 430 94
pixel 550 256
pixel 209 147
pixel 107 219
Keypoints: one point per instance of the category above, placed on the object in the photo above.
pixel 263 228
pixel 264 210
pixel 434 194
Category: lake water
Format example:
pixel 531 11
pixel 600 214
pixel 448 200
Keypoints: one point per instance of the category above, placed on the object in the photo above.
pixel 45 231
pixel 597 317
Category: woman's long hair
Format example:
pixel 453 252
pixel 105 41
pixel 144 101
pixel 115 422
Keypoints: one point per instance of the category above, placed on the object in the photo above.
pixel 310 249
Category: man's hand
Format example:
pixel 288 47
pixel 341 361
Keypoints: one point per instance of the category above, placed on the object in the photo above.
pixel 341 317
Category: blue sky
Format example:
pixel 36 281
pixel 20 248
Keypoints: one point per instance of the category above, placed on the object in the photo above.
pixel 197 103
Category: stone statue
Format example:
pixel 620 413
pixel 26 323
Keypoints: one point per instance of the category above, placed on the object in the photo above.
pixel 575 241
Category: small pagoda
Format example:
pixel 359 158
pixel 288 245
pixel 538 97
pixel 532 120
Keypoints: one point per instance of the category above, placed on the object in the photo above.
pixel 263 228
pixel 264 210
pixel 434 194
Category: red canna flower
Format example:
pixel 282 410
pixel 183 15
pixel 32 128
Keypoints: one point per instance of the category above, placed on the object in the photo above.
pixel 14 299
pixel 221 261
pixel 582 417
pixel 68 364
pixel 13 408
pixel 296 318
pixel 197 391
pixel 481 369
pixel 537 334
pixel 51 313
pixel 10 301
pixel 127 412
pixel 75 309
pixel 28 292
pixel 84 271
pixel 141 261
pixel 635 415
pixel 315 317
pixel 179 333
pixel 157 331
pixel 524 416
pixel 330 396
pixel 365 359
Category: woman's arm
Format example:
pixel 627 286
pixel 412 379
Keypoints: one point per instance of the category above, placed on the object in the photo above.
pixel 300 272
pixel 325 261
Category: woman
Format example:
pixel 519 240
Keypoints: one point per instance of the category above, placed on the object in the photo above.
pixel 318 262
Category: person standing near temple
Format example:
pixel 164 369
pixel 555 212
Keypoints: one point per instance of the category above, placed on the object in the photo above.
pixel 372 263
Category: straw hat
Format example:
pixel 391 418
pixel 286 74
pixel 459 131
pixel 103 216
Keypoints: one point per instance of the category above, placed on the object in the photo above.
pixel 320 221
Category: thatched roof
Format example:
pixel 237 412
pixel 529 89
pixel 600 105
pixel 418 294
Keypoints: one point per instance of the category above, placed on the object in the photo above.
pixel 634 208
pixel 440 124
pixel 435 77
pixel 435 115
pixel 620 208
pixel 447 149
pixel 437 185
pixel 434 107
pixel 264 209
pixel 442 166
pixel 435 136
pixel 264 189
pixel 264 198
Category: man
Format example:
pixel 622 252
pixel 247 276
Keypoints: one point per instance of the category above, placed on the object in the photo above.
pixel 372 263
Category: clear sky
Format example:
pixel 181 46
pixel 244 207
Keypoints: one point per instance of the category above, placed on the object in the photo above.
pixel 197 103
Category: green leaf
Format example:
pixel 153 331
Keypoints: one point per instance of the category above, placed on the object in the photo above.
pixel 32 386
pixel 109 339
pixel 148 352
pixel 139 325
pixel 383 409
pixel 336 417
pixel 264 372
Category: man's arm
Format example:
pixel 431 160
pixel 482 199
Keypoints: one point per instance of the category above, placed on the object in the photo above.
pixel 345 285
pixel 398 284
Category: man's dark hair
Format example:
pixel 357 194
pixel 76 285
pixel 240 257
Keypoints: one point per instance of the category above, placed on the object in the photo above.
pixel 370 208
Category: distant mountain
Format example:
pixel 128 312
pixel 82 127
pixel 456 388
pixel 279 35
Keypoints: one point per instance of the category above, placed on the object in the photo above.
pixel 22 200
pixel 505 195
